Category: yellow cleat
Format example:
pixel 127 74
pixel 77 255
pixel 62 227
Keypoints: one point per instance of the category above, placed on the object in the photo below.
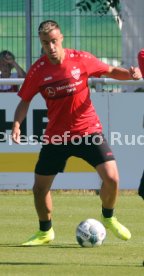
pixel 40 238
pixel 117 228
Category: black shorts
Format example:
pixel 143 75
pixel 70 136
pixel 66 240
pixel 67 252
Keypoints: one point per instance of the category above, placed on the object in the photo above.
pixel 92 148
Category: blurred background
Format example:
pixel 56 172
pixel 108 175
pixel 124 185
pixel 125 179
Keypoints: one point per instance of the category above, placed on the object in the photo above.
pixel 111 30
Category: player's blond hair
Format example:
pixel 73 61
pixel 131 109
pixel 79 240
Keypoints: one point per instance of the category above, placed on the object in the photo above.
pixel 47 26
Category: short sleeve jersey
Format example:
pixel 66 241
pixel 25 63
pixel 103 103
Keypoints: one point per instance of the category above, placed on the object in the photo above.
pixel 65 90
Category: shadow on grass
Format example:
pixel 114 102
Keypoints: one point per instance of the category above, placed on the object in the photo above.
pixel 60 246
pixel 75 264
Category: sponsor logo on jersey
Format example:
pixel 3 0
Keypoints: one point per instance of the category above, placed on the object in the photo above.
pixel 50 91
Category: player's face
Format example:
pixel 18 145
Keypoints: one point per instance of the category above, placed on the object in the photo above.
pixel 52 45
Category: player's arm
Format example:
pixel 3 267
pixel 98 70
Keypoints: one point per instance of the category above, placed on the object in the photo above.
pixel 20 114
pixel 120 73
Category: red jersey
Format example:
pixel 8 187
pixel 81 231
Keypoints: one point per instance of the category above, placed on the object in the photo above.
pixel 65 90
pixel 141 61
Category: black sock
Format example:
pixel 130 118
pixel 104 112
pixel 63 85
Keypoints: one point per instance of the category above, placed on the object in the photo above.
pixel 45 225
pixel 107 213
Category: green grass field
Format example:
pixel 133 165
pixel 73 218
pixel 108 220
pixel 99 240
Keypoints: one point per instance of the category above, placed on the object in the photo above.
pixel 64 256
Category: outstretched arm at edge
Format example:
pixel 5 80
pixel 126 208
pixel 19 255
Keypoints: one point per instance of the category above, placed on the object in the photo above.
pixel 20 114
pixel 120 73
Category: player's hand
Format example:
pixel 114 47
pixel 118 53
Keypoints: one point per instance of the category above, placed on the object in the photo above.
pixel 15 135
pixel 135 73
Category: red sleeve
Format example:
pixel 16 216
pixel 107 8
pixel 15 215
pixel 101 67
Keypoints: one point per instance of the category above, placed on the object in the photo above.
pixel 141 61
pixel 30 86
pixel 94 66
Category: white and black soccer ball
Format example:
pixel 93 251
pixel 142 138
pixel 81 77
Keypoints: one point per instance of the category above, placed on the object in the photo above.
pixel 90 233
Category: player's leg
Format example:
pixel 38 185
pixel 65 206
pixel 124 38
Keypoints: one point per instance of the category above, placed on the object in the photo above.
pixel 98 153
pixel 51 161
pixel 108 193
pixel 141 186
pixel 43 205
pixel 42 196
pixel 110 181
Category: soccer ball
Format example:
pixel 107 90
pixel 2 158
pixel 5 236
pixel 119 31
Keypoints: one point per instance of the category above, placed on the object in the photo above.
pixel 90 233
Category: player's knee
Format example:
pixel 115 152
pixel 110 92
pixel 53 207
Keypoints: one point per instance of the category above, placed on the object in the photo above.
pixel 113 181
pixel 38 190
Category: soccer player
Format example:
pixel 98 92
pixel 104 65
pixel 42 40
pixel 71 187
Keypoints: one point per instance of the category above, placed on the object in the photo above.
pixel 141 186
pixel 141 65
pixel 73 129
pixel 141 61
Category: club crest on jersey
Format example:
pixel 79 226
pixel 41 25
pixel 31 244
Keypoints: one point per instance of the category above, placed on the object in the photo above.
pixel 76 73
